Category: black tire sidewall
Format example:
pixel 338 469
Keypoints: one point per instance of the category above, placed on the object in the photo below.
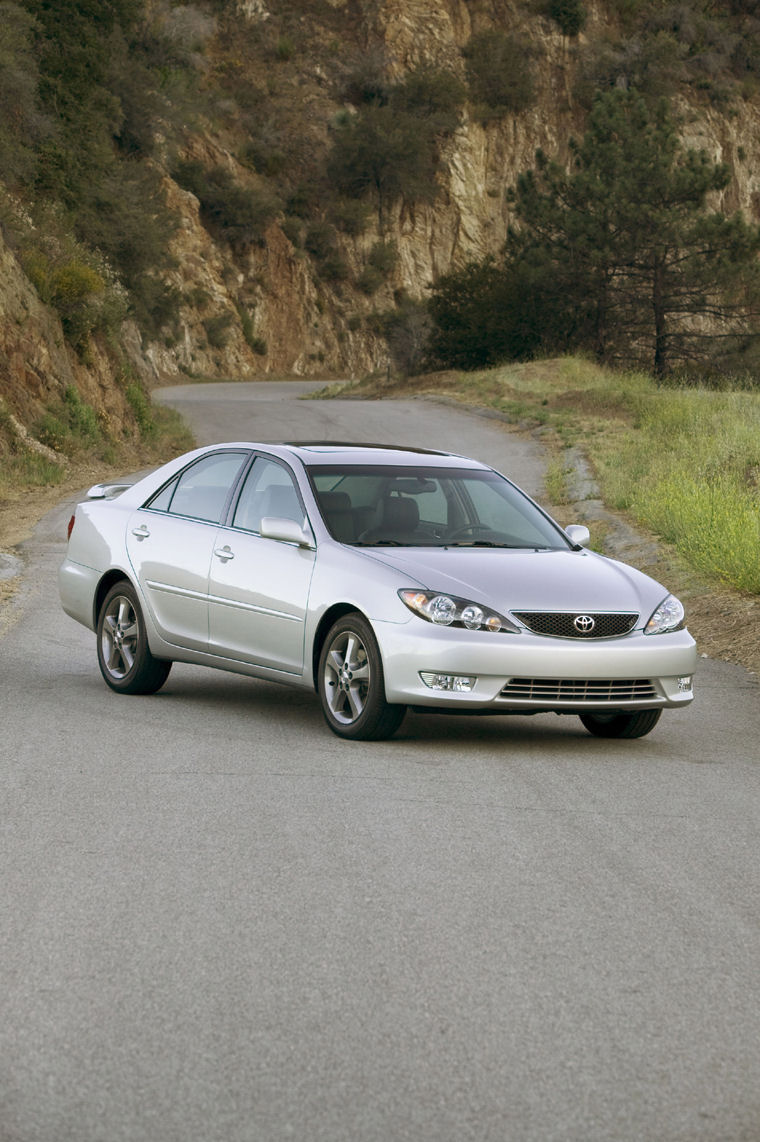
pixel 623 726
pixel 147 673
pixel 378 719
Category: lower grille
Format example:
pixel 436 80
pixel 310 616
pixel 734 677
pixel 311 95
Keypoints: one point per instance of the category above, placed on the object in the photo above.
pixel 613 690
pixel 578 624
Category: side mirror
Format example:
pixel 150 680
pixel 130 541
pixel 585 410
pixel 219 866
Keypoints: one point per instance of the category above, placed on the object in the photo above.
pixel 286 530
pixel 578 534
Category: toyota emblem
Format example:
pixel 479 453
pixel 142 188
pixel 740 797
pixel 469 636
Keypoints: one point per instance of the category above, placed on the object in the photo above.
pixel 584 624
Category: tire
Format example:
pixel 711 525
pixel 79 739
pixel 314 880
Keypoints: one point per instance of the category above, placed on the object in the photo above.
pixel 621 725
pixel 124 656
pixel 351 683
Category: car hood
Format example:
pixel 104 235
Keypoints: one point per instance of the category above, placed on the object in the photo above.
pixel 517 580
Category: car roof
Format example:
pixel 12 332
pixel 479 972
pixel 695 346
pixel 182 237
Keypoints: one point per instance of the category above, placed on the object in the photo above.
pixel 328 453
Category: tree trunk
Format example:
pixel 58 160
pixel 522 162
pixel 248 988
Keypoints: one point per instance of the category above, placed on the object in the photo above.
pixel 660 321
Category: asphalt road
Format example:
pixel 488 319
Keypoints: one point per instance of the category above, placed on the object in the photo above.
pixel 222 924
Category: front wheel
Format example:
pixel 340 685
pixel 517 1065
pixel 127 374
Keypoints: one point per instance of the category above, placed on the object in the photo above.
pixel 351 684
pixel 621 725
pixel 124 656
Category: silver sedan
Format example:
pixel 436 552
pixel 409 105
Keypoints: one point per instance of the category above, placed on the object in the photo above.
pixel 381 577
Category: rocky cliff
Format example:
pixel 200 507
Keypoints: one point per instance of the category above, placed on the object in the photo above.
pixel 269 308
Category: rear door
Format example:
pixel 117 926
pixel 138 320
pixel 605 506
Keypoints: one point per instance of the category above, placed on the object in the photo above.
pixel 170 543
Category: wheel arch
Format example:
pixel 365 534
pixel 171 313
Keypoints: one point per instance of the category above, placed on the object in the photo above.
pixel 115 575
pixel 331 615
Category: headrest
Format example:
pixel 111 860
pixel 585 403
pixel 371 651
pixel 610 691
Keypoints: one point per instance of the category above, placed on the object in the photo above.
pixel 334 502
pixel 400 514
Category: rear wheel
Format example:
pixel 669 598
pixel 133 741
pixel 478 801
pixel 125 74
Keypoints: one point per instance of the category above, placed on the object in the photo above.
pixel 124 656
pixel 351 683
pixel 621 725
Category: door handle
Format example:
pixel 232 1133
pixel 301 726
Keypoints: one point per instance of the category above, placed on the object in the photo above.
pixel 141 532
pixel 224 553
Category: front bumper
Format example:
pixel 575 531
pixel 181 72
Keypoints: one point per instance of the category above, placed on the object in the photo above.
pixel 534 673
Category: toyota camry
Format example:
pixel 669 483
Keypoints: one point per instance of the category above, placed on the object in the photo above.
pixel 383 578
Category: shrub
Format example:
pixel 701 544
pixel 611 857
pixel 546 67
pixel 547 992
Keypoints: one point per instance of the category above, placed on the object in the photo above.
pixel 390 147
pixel 240 214
pixel 351 215
pixel 70 425
pixel 406 330
pixel 217 328
pixel 76 290
pixel 139 402
pixel 333 268
pixel 569 15
pixel 321 240
pixel 367 82
pixel 434 95
pixel 385 152
pixel 21 124
pixel 265 157
pixel 284 49
pixel 292 228
pixel 383 257
pixel 499 74
pixel 369 280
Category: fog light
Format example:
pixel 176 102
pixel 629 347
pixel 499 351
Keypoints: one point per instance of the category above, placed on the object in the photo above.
pixel 460 683
pixel 684 684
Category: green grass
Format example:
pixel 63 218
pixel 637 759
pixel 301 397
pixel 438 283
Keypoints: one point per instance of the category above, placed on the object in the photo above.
pixel 28 470
pixel 690 471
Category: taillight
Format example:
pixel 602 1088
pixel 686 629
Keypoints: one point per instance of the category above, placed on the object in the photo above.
pixel 70 528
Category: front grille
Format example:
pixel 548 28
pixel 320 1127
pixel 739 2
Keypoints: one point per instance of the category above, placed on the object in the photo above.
pixel 578 624
pixel 613 690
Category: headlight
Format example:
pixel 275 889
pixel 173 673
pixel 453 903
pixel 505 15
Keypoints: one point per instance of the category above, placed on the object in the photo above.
pixel 449 610
pixel 669 616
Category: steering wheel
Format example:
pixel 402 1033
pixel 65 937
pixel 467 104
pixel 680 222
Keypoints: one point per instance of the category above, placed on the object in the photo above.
pixel 472 528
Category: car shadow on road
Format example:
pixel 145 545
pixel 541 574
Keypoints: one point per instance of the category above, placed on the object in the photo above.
pixel 236 700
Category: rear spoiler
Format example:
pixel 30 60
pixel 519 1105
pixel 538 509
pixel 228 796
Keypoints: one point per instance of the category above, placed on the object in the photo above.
pixel 106 491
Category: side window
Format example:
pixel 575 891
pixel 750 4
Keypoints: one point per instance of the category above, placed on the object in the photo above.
pixel 160 503
pixel 268 491
pixel 201 491
pixel 433 505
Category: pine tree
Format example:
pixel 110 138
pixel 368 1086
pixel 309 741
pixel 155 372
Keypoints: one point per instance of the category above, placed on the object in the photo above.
pixel 625 253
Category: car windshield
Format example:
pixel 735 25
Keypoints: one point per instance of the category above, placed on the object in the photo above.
pixel 429 507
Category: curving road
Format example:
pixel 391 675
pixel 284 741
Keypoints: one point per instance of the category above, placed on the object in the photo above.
pixel 222 924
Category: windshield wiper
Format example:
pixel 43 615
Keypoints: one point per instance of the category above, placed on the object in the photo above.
pixel 478 543
pixel 507 546
pixel 381 543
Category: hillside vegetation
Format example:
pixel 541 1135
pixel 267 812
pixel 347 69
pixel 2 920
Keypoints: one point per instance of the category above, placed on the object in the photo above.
pixel 322 123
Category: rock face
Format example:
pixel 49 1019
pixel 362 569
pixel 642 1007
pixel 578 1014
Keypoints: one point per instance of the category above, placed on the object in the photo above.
pixel 269 309
pixel 36 364
pixel 306 326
